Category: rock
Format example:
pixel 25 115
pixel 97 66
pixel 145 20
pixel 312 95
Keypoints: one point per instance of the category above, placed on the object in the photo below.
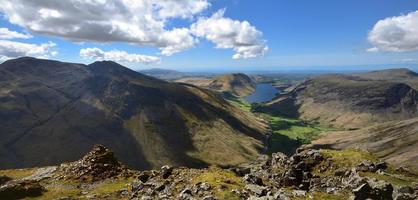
pixel 4 179
pixel 362 192
pixel 366 166
pixel 405 196
pixel 146 198
pixel 21 189
pixel 205 186
pixel 256 189
pixel 143 177
pixel 279 159
pixel 209 197
pixel 252 179
pixel 98 164
pixel 341 172
pixel 381 166
pixel 42 173
pixel 382 190
pixel 299 193
pixel 242 170
pixel 331 190
pixel 166 171
pixel 136 185
pixel 185 194
pixel 405 189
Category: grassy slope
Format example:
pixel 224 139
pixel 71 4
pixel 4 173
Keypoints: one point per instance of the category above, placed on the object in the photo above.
pixel 287 133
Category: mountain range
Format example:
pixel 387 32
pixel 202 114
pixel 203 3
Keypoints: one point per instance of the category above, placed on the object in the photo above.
pixel 53 111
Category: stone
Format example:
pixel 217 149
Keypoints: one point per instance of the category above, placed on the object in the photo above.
pixel 299 193
pixel 4 179
pixel 256 189
pixel 362 192
pixel 252 179
pixel 382 190
pixel 205 186
pixel 209 197
pixel 405 189
pixel 381 165
pixel 21 189
pixel 166 171
pixel 405 196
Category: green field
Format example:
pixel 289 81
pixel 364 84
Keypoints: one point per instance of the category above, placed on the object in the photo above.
pixel 287 134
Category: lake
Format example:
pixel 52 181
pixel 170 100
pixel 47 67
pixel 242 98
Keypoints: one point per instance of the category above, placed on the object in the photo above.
pixel 263 92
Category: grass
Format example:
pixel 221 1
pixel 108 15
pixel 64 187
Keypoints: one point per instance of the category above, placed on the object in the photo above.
pixel 59 189
pixel 347 159
pixel 17 173
pixel 222 181
pixel 112 186
pixel 240 103
pixel 395 179
pixel 288 134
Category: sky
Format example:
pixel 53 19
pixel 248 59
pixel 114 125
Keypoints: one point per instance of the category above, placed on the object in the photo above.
pixel 215 35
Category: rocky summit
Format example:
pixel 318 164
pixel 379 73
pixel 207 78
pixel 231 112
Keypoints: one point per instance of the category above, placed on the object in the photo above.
pixel 308 174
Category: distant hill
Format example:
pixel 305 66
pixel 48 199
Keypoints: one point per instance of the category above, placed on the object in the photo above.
pixel 165 74
pixel 389 74
pixel 237 84
pixel 52 112
pixel 348 101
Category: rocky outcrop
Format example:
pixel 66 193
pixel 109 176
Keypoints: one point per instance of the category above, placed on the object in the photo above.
pixel 98 164
pixel 20 189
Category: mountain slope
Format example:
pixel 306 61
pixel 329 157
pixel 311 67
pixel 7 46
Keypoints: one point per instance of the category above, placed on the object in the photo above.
pixel 348 101
pixel 52 112
pixel 395 142
pixel 236 84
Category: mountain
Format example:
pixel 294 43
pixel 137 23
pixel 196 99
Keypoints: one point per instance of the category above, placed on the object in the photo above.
pixel 389 74
pixel 165 74
pixel 347 101
pixel 237 84
pixel 52 112
pixel 395 141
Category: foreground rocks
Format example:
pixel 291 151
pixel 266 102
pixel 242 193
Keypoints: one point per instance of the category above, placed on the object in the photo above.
pixel 20 189
pixel 98 164
pixel 309 174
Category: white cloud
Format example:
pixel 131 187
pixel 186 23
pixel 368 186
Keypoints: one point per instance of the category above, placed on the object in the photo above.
pixel 117 56
pixel 12 49
pixel 5 33
pixel 226 33
pixel 131 21
pixel 395 34
pixel 139 22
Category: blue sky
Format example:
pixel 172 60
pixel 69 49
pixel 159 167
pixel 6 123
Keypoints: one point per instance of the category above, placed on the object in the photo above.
pixel 300 35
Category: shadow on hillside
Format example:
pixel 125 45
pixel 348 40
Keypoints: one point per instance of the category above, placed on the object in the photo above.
pixel 283 144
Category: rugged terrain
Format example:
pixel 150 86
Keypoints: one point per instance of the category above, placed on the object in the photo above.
pixel 52 112
pixel 309 174
pixel 236 84
pixel 374 111
pixel 347 101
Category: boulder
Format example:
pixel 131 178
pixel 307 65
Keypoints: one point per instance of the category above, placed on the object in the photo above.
pixel 21 189
pixel 4 179
pixel 166 171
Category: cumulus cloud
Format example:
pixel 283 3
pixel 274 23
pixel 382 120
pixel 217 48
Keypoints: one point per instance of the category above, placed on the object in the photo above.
pixel 5 33
pixel 12 49
pixel 395 34
pixel 226 33
pixel 143 23
pixel 137 22
pixel 117 56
